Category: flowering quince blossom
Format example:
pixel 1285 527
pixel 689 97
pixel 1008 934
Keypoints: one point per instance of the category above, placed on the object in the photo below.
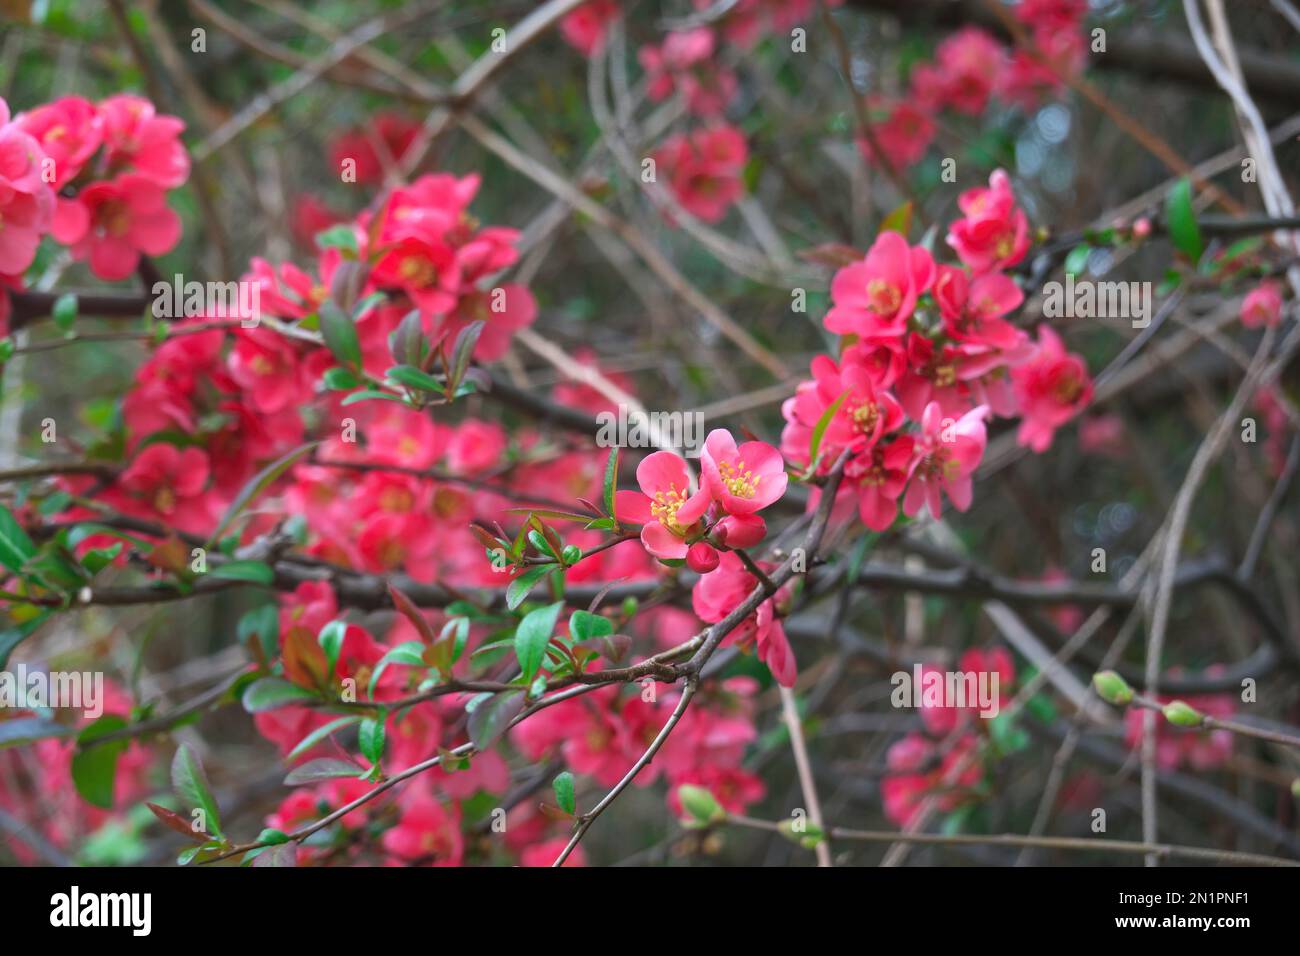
pixel 995 231
pixel 721 591
pixel 1262 305
pixel 942 719
pixel 685 63
pixel 876 297
pixel 1051 388
pixel 113 222
pixel 703 170
pixel 918 768
pixel 26 201
pixel 584 28
pixel 667 510
pixel 945 455
pixel 380 145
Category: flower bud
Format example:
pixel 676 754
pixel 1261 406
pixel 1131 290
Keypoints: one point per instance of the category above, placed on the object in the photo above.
pixel 1112 688
pixel 701 558
pixel 1182 714
pixel 700 805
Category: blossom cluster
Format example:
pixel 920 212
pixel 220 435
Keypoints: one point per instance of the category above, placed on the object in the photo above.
pixel 970 69
pixel 932 345
pixel 94 176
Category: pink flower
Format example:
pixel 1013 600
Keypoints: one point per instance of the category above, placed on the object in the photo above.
pixel 113 222
pixel 942 719
pixel 664 507
pixel 548 851
pixel 946 454
pixel 969 61
pixel 879 477
pixel 721 591
pixel 24 218
pixel 69 131
pixel 876 297
pixel 865 413
pixel 973 310
pixel 917 769
pixel 703 170
pixel 168 483
pixel 427 832
pixel 995 232
pixel 745 479
pixel 375 147
pixel 1051 388
pixel 134 136
pixel 268 368
pixel 1262 305
pixel 903 135
pixel 584 28
pixel 685 63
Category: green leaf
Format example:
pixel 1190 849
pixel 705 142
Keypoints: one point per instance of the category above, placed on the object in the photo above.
pixel 15 546
pixel 26 730
pixel 371 394
pixel 412 377
pixel 263 625
pixel 340 379
pixel 1076 261
pixel 191 785
pixel 1180 220
pixel 583 626
pixel 563 785
pixel 320 734
pixel 322 768
pixel 611 481
pixel 94 768
pixel 257 572
pixel 519 587
pixel 900 220
pixel 409 653
pixel 270 693
pixel 331 641
pixel 341 236
pixel 463 350
pixel 340 334
pixel 532 636
pixel 491 715
pixel 12 637
pixel 370 737
pixel 257 485
pixel 64 312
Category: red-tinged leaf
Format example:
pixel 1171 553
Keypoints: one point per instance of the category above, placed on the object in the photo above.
pixel 406 607
pixel 304 659
pixel 900 220
pixel 832 254
pixel 174 821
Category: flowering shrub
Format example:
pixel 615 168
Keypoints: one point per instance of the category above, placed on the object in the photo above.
pixel 446 594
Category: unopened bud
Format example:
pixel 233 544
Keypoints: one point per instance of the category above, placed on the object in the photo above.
pixel 1182 714
pixel 701 558
pixel 1112 688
